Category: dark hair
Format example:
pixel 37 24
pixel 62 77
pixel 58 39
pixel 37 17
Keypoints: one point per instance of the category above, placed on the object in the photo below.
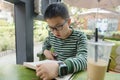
pixel 56 10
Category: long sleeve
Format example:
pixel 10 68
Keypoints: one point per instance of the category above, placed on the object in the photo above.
pixel 72 51
pixel 46 44
pixel 79 62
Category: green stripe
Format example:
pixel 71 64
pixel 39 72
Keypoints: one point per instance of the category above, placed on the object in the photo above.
pixel 72 51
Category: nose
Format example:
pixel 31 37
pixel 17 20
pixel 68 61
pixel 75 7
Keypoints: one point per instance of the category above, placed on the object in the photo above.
pixel 56 32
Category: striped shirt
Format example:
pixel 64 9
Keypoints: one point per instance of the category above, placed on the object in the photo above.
pixel 72 50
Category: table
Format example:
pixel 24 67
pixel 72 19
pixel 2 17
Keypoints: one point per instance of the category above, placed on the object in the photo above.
pixel 16 72
pixel 19 72
pixel 109 76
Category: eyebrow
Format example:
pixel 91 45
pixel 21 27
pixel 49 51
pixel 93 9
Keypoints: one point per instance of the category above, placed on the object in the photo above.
pixel 54 26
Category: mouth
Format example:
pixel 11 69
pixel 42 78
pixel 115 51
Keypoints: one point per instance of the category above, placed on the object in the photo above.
pixel 58 36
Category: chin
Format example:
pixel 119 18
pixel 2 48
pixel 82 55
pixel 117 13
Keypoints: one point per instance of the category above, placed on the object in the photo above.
pixel 60 37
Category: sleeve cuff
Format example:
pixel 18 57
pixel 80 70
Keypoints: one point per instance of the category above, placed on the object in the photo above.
pixel 69 65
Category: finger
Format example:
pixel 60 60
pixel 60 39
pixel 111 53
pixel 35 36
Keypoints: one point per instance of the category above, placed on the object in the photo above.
pixel 45 78
pixel 38 67
pixel 39 73
pixel 51 58
pixel 53 54
pixel 42 76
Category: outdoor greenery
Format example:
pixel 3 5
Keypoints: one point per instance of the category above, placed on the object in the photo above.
pixel 40 31
pixel 7 38
pixel 115 36
pixel 7 34
pixel 3 23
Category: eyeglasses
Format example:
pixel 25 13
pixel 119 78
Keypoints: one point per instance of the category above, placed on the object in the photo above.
pixel 57 28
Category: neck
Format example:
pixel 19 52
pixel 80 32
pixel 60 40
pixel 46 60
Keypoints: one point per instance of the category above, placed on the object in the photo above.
pixel 68 34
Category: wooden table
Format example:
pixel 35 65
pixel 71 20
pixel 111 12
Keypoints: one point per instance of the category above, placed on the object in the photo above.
pixel 19 72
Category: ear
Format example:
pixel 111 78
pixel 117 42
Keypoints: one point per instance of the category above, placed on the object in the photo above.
pixel 69 21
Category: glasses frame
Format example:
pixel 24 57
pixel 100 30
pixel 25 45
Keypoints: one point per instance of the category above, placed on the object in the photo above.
pixel 57 28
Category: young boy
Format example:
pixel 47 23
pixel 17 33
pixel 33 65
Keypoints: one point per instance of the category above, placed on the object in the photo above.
pixel 69 45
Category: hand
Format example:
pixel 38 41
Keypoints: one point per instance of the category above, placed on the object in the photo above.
pixel 47 71
pixel 49 55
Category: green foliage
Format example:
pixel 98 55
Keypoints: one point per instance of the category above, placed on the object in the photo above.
pixel 7 38
pixel 115 36
pixel 89 33
pixel 3 22
pixel 77 21
pixel 7 35
pixel 40 31
pixel 5 44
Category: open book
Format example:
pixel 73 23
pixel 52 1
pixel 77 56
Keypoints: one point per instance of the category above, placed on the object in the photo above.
pixel 32 65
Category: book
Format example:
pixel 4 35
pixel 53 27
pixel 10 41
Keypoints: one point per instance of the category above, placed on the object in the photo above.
pixel 32 65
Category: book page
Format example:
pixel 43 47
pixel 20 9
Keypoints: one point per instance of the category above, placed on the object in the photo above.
pixel 32 65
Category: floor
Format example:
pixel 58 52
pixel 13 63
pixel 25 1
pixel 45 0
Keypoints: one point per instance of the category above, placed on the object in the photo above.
pixel 10 57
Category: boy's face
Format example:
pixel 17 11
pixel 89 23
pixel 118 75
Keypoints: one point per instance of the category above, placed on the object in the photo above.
pixel 59 27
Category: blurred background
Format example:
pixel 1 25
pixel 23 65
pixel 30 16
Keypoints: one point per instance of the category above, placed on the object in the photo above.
pixel 83 19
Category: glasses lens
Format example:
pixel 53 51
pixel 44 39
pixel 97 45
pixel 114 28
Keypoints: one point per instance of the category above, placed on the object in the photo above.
pixel 57 28
pixel 60 27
